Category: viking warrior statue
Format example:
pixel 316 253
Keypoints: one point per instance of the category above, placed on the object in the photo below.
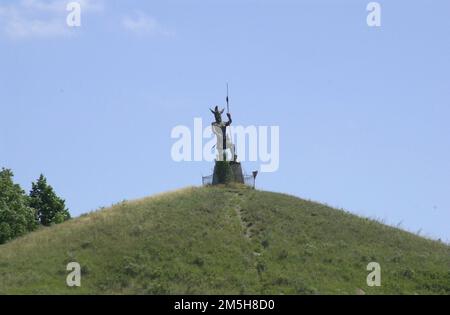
pixel 219 128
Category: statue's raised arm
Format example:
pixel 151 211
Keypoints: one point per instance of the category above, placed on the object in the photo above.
pixel 229 120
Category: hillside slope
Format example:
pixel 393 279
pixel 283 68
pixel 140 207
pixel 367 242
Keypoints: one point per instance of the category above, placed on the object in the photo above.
pixel 219 240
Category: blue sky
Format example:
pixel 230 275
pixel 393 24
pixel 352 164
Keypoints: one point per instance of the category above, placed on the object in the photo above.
pixel 363 112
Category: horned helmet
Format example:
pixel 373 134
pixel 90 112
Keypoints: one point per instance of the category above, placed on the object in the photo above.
pixel 217 114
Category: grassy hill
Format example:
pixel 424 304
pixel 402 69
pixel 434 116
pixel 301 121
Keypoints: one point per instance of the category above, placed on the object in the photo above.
pixel 223 240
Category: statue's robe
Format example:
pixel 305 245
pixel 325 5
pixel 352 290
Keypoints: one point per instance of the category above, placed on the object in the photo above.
pixel 223 140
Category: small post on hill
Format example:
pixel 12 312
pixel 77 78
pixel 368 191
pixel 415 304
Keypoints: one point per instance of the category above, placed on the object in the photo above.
pixel 255 173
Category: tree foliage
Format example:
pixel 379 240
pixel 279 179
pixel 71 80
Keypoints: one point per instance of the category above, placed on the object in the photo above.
pixel 16 216
pixel 50 208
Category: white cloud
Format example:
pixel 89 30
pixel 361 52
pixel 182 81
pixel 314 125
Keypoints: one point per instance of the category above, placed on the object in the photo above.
pixel 19 27
pixel 47 19
pixel 42 5
pixel 40 18
pixel 60 5
pixel 141 23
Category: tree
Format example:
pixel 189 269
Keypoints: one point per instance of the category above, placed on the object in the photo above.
pixel 16 216
pixel 50 208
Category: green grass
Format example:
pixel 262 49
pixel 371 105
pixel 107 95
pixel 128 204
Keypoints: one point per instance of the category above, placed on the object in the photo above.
pixel 223 240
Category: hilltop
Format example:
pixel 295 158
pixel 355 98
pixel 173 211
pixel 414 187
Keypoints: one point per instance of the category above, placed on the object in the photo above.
pixel 223 240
